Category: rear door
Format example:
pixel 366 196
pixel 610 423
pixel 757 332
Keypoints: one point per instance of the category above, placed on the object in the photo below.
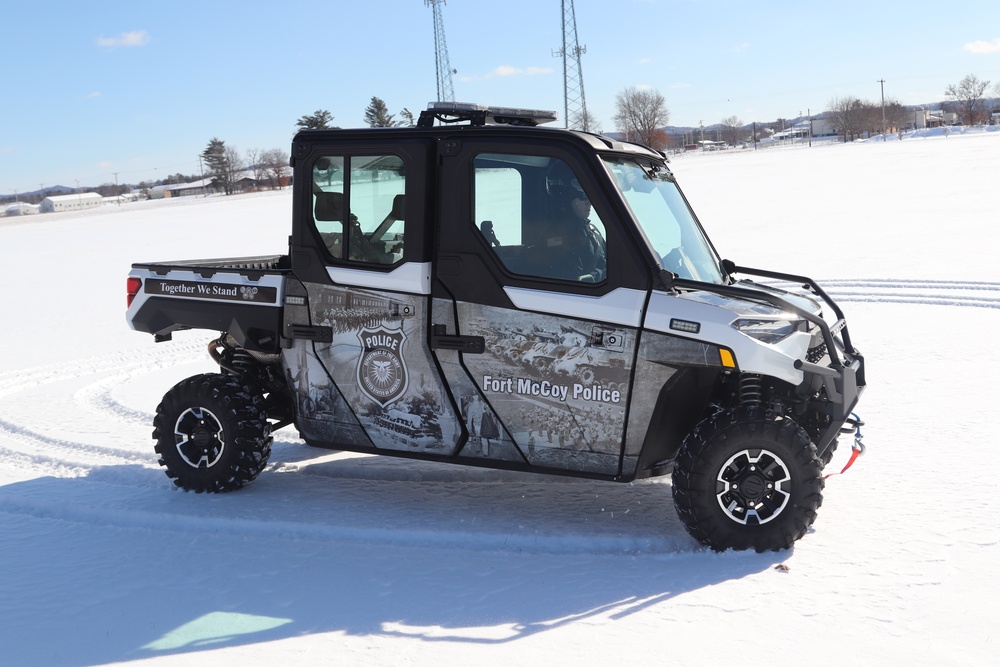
pixel 361 364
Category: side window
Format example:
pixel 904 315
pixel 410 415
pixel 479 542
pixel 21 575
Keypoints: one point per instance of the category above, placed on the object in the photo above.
pixel 537 219
pixel 358 206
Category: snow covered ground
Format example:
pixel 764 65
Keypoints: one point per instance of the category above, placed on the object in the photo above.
pixel 341 559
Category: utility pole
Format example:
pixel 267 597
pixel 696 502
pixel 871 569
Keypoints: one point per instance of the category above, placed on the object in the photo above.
pixel 574 100
pixel 445 87
pixel 882 84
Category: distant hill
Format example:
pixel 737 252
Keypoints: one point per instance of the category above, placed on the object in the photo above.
pixel 39 195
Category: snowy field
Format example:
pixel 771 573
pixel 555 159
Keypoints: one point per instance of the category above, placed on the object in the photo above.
pixel 342 559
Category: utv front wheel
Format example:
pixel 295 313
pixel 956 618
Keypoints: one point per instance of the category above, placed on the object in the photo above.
pixel 212 434
pixel 747 479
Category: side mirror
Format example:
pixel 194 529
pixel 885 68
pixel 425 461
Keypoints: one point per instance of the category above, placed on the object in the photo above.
pixel 667 280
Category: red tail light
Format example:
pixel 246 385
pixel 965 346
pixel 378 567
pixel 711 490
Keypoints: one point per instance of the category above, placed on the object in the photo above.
pixel 134 285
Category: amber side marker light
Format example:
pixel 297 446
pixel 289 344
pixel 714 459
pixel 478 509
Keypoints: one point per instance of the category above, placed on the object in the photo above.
pixel 134 285
pixel 727 358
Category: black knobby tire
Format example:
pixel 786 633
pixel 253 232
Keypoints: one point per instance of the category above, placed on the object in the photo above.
pixel 827 456
pixel 747 479
pixel 212 433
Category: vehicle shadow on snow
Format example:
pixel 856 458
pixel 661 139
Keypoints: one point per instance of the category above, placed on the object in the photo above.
pixel 119 566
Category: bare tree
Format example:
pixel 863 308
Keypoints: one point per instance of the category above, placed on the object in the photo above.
pixel 732 128
pixel 896 116
pixel 254 158
pixel 871 117
pixel 968 94
pixel 849 116
pixel 275 166
pixel 641 116
pixel 585 122
pixel 235 165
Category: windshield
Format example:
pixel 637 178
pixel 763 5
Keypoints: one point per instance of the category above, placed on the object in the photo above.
pixel 665 219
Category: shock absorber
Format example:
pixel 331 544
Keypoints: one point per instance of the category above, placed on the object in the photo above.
pixel 230 356
pixel 241 360
pixel 751 390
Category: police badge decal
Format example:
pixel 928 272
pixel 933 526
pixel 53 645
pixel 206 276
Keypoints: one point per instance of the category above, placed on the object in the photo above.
pixel 382 374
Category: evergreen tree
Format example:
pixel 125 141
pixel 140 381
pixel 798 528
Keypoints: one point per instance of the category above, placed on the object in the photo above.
pixel 219 166
pixel 377 114
pixel 318 120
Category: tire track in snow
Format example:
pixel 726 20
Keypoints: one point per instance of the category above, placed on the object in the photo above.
pixel 975 294
pixel 113 471
pixel 28 447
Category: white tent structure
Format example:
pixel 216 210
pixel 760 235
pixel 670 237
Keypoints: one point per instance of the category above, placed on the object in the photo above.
pixel 75 202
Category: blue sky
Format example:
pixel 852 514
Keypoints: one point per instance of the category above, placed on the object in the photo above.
pixel 139 88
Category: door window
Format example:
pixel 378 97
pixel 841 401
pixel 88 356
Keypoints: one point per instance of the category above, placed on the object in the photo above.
pixel 358 207
pixel 537 218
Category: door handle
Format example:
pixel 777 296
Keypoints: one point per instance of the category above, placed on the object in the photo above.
pixel 468 344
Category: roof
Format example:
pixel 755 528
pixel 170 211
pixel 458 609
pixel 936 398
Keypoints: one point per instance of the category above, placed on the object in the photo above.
pixel 88 196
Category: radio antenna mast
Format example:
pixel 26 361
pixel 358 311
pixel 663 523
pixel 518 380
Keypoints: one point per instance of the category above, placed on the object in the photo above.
pixel 445 89
pixel 574 98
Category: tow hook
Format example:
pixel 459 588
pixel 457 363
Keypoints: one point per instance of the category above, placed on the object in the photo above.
pixel 852 424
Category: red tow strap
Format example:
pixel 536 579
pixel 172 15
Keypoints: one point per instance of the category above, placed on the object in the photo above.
pixel 857 449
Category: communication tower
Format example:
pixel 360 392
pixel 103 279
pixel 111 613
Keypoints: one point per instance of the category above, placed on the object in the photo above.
pixel 575 100
pixel 445 89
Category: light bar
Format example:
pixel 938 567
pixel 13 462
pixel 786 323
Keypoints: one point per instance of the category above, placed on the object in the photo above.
pixel 487 114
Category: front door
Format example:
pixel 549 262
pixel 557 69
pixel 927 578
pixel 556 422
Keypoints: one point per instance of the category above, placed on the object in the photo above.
pixel 536 289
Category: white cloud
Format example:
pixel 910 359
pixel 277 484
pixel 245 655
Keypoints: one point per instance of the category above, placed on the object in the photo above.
pixel 645 61
pixel 676 86
pixel 134 38
pixel 93 95
pixel 508 70
pixel 982 46
pixel 740 48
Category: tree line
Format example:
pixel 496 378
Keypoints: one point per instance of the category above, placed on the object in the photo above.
pixel 641 116
pixel 853 117
pixel 225 165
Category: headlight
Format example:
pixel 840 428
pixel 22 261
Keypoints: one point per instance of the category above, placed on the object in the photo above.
pixel 769 331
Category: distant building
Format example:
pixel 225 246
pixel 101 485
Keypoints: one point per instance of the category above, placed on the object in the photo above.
pixel 81 200
pixel 181 189
pixel 20 208
pixel 824 127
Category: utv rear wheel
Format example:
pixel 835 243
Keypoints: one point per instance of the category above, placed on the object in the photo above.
pixel 212 434
pixel 747 479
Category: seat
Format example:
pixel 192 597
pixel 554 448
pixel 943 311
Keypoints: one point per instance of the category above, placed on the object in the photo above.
pixel 397 213
pixel 329 206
